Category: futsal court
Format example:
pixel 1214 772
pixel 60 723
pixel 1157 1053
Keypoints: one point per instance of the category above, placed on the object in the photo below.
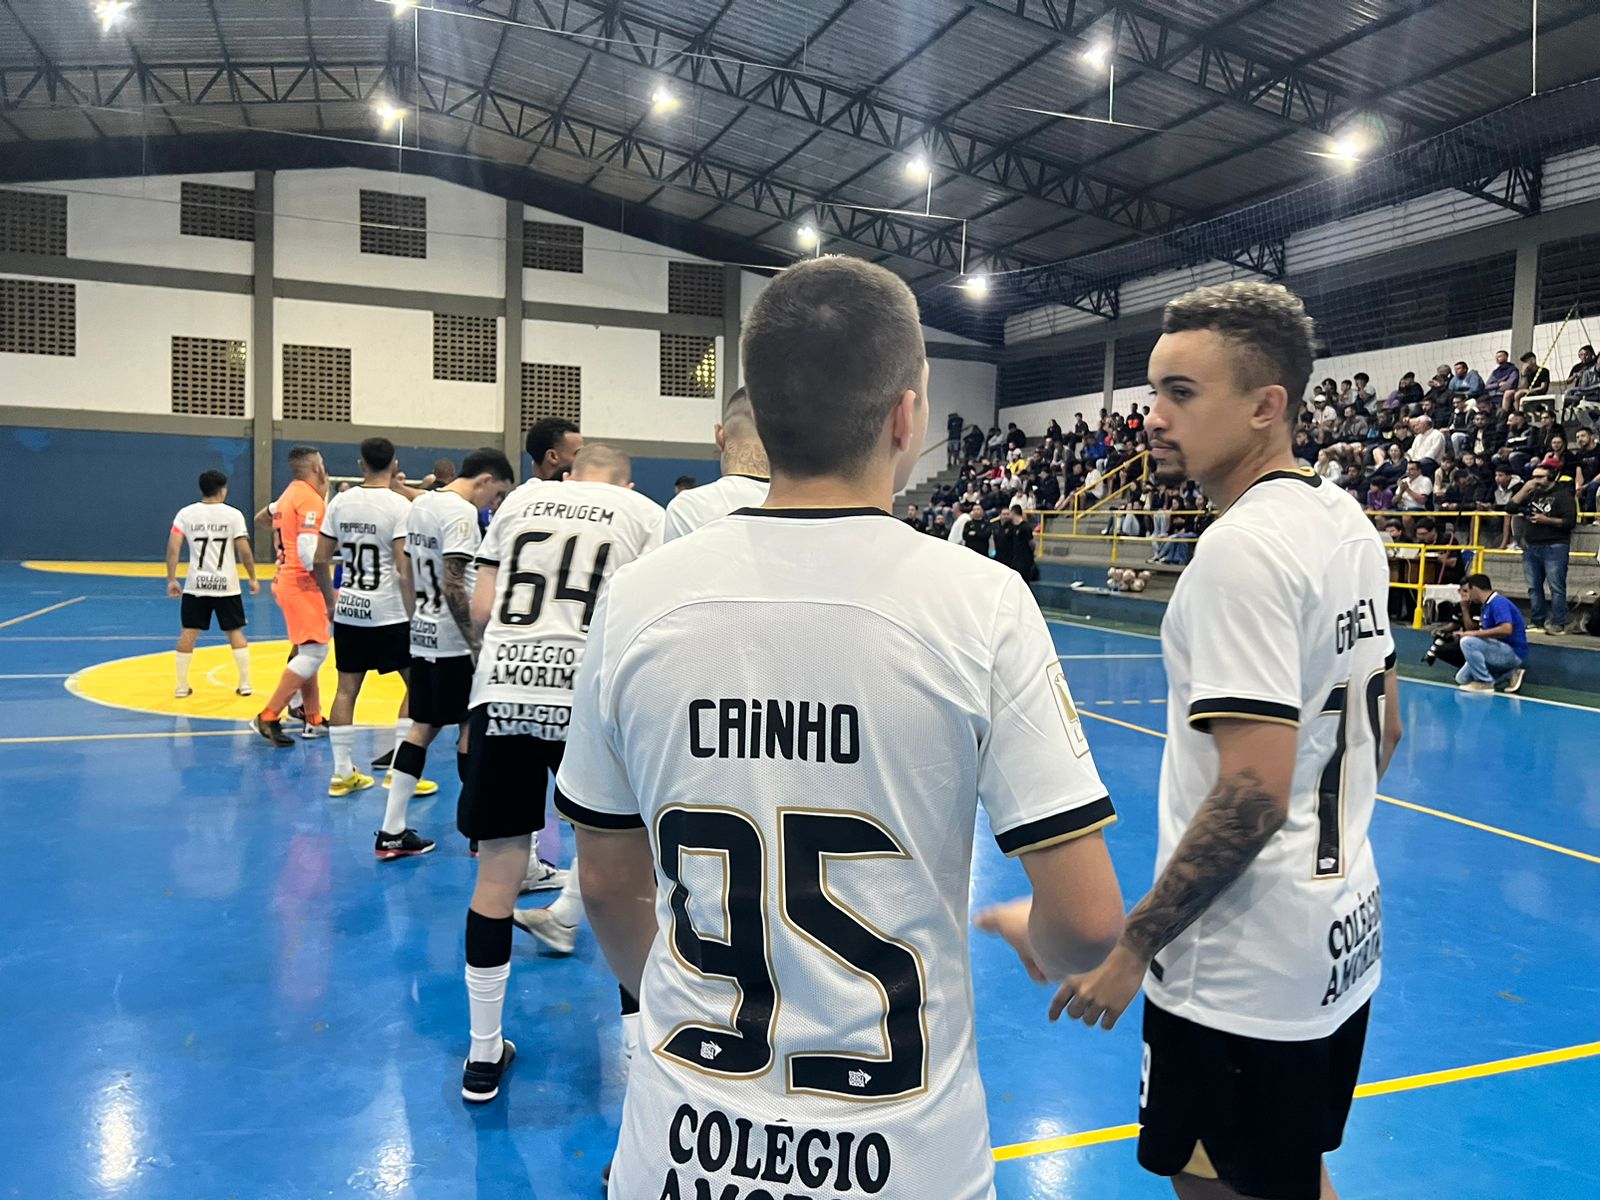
pixel 212 989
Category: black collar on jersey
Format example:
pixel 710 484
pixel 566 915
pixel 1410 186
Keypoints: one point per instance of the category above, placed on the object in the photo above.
pixel 813 514
pixel 743 475
pixel 1305 475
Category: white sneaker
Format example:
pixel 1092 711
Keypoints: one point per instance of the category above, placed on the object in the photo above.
pixel 1515 685
pixel 183 693
pixel 537 921
pixel 542 877
pixel 244 689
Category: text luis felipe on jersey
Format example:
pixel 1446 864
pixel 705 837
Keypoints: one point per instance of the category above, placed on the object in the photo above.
pixel 777 1161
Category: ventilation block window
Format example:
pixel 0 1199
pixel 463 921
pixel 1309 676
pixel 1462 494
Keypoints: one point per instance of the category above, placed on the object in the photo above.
pixel 210 210
pixel 551 390
pixel 316 383
pixel 688 365
pixel 38 317
pixel 394 224
pixel 550 247
pixel 33 222
pixel 208 376
pixel 464 348
pixel 694 289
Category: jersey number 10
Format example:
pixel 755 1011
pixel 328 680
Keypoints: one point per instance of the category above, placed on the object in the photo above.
pixel 807 840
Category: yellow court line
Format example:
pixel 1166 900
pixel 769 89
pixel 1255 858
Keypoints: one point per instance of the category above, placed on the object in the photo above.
pixel 1421 808
pixel 1505 833
pixel 40 612
pixel 1381 1087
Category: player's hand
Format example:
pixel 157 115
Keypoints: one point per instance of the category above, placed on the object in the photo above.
pixel 1102 995
pixel 255 588
pixel 174 589
pixel 1010 921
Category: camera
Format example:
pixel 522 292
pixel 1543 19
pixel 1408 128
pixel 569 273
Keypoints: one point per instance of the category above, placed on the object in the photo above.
pixel 1443 642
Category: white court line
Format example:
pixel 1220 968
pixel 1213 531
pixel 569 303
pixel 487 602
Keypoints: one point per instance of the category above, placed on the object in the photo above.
pixel 63 675
pixel 39 612
pixel 101 637
pixel 1087 657
pixel 1438 683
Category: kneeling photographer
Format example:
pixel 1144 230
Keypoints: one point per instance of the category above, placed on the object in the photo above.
pixel 1494 652
pixel 1452 619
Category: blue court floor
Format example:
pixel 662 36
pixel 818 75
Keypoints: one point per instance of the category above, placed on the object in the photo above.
pixel 211 989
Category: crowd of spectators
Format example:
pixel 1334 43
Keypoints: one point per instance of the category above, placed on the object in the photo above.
pixel 1463 443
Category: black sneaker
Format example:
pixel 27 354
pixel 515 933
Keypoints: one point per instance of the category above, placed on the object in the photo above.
pixel 404 844
pixel 384 761
pixel 297 712
pixel 271 730
pixel 480 1081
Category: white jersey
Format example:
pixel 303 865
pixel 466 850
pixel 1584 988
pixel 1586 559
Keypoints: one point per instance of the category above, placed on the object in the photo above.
pixel 439 525
pixel 210 530
pixel 697 507
pixel 804 709
pixel 554 547
pixel 1281 617
pixel 365 521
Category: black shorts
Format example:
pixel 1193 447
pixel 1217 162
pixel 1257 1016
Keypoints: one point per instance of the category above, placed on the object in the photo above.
pixel 440 689
pixel 1266 1112
pixel 508 774
pixel 358 649
pixel 196 611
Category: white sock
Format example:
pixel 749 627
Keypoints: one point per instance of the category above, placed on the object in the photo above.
pixel 183 668
pixel 401 786
pixel 401 728
pixel 241 660
pixel 486 998
pixel 568 907
pixel 342 738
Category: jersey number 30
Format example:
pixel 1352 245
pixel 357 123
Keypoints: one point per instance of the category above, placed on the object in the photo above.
pixel 741 953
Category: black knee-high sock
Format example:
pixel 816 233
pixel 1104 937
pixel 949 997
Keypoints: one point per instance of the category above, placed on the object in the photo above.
pixel 488 970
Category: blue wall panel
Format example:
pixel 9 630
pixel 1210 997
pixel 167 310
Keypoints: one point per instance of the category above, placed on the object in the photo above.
pixel 132 483
pixel 342 458
pixel 653 476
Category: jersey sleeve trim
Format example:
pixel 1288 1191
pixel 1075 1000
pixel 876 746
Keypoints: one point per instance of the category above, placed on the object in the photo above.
pixel 1058 827
pixel 1389 661
pixel 462 555
pixel 486 562
pixel 590 818
pixel 1203 712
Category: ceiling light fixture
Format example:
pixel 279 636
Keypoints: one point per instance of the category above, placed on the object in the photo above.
pixel 111 12
pixel 976 284
pixel 1349 147
pixel 663 101
pixel 806 235
pixel 388 113
pixel 1097 55
pixel 917 168
pixel 400 6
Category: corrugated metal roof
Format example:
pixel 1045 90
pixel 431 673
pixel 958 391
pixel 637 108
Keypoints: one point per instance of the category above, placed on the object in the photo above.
pixel 1433 63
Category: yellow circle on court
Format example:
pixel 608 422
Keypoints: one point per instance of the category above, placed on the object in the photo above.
pixel 145 683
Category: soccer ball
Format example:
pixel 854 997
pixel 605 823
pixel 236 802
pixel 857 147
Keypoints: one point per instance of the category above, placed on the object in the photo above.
pixel 1138 585
pixel 1114 579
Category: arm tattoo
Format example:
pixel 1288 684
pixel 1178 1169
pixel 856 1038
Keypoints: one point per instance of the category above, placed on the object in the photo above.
pixel 454 587
pixel 1235 822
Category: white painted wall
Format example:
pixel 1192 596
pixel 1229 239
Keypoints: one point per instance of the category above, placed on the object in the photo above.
pixel 618 271
pixel 621 382
pixel 1032 419
pixel 318 229
pixel 391 366
pixel 1386 366
pixel 137 220
pixel 124 349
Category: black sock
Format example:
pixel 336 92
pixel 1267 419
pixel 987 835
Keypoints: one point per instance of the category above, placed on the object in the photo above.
pixel 409 758
pixel 488 940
